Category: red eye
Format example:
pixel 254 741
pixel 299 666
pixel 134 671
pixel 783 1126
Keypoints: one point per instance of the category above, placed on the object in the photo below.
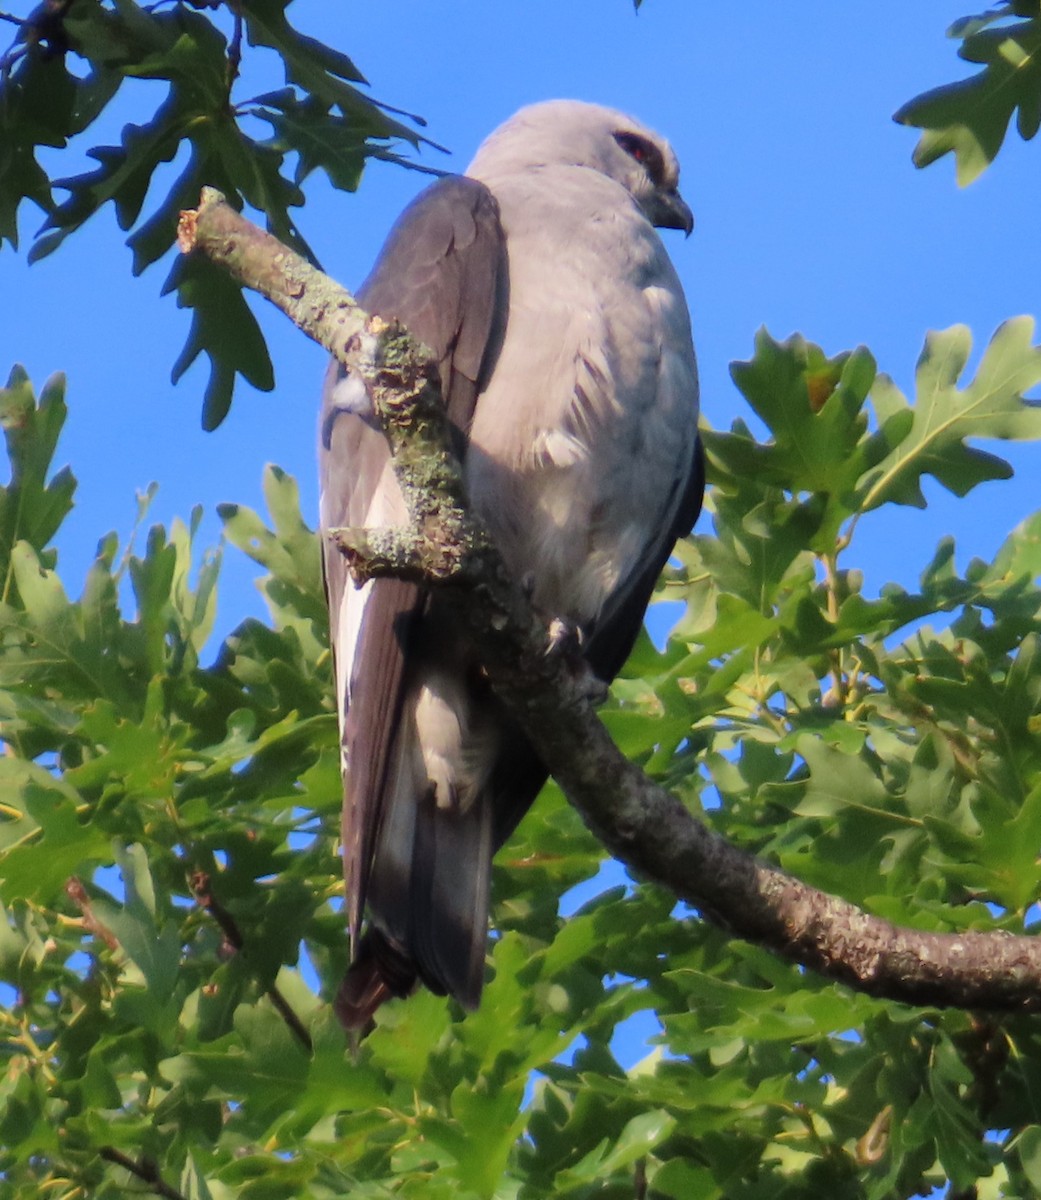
pixel 644 152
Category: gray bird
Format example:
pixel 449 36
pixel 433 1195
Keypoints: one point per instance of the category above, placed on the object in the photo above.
pixel 567 367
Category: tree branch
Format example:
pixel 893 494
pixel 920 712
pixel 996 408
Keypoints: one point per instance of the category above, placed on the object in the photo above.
pixel 203 893
pixel 77 893
pixel 144 1169
pixel 638 821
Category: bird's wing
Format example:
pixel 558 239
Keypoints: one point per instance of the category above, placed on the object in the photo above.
pixel 619 625
pixel 442 274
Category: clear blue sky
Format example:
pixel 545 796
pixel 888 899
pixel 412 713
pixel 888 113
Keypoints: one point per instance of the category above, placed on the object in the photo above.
pixel 810 218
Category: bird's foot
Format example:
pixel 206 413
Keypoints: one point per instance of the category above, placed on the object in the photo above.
pixel 566 639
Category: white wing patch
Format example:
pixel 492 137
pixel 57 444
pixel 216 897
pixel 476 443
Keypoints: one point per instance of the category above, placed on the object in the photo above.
pixel 386 509
pixel 350 395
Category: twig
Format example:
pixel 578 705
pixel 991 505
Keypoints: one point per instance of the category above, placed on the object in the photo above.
pixel 144 1169
pixel 640 1179
pixel 46 23
pixel 77 893
pixel 234 48
pixel 200 885
pixel 639 822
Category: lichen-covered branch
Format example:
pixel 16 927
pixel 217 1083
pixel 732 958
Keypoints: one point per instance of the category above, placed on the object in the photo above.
pixel 638 821
pixel 401 373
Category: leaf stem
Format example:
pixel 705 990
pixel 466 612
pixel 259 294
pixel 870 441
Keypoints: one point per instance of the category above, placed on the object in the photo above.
pixel 838 690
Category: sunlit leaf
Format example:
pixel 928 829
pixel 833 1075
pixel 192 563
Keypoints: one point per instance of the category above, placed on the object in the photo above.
pixel 970 117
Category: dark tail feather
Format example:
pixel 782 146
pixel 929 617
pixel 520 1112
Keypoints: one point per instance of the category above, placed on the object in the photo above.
pixel 379 972
pixel 448 921
pixel 429 884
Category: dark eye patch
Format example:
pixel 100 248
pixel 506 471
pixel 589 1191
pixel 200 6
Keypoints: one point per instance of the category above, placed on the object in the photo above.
pixel 646 154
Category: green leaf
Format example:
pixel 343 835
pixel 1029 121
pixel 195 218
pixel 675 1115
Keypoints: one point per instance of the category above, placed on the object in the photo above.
pixel 250 171
pixel 260 1064
pixel 34 503
pixel 37 109
pixel 224 328
pixel 193 1185
pixel 637 1139
pixel 813 407
pixel 150 939
pixel 180 47
pixel 323 73
pixel 944 416
pixel 44 839
pixel 321 139
pixel 52 642
pixel 491 1118
pixel 681 1180
pixel 293 588
pixel 970 118
pixel 1028 1148
pixel 154 236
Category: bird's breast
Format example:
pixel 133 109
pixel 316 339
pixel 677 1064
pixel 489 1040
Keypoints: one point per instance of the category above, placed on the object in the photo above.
pixel 588 420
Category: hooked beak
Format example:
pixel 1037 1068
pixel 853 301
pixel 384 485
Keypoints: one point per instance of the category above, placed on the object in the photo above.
pixel 670 211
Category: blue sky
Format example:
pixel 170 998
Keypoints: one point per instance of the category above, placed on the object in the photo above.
pixel 810 218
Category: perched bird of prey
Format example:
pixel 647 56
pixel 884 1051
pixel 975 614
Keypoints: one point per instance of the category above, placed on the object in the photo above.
pixel 566 363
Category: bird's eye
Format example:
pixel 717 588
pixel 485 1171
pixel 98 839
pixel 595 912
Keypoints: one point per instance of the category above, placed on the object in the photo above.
pixel 644 152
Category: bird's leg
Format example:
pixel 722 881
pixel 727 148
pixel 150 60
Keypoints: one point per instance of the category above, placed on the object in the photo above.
pixel 566 638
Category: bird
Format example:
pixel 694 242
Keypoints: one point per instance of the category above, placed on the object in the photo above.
pixel 563 341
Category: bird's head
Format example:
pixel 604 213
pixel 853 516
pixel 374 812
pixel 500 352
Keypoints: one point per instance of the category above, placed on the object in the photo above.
pixel 574 133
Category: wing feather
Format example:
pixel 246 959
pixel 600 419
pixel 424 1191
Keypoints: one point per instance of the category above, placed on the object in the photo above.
pixel 615 633
pixel 442 273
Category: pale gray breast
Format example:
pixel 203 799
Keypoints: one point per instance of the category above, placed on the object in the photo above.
pixel 586 429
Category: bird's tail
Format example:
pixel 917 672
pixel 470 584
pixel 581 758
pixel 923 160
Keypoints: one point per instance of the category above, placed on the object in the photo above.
pixel 428 901
pixel 428 893
pixel 379 971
